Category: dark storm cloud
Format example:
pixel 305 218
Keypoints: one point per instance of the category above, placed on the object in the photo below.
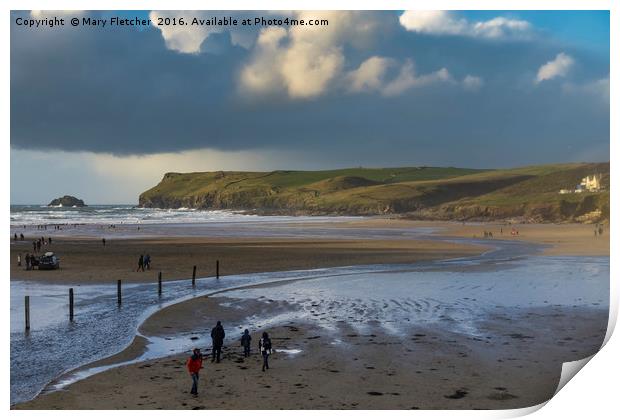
pixel 124 92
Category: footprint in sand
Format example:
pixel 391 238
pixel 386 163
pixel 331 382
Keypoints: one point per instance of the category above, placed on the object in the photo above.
pixel 458 394
pixel 501 396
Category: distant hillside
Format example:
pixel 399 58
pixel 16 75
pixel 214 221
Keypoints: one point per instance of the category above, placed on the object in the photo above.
pixel 524 194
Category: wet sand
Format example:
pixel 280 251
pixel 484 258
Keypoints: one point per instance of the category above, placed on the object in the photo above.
pixel 561 239
pixel 516 364
pixel 86 261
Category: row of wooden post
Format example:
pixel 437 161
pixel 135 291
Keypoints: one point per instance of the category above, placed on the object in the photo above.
pixel 119 295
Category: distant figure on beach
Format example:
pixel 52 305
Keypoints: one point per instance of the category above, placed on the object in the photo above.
pixel 217 336
pixel 34 246
pixel 103 241
pixel 600 230
pixel 19 261
pixel 21 236
pixel 49 240
pixel 194 364
pixel 28 262
pixel 147 262
pixel 264 346
pixel 15 237
pixel 246 340
pixel 141 263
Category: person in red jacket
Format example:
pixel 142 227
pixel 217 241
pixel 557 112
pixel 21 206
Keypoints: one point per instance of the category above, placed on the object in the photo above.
pixel 194 364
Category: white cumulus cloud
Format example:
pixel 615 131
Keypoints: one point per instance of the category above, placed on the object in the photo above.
pixel 472 83
pixel 407 79
pixel 440 22
pixel 369 75
pixel 372 76
pixel 304 61
pixel 558 67
pixel 187 39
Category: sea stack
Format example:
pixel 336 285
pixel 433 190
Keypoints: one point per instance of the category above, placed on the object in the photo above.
pixel 67 201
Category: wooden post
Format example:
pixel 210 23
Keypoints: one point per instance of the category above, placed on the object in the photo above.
pixel 194 277
pixel 27 311
pixel 217 269
pixel 159 283
pixel 71 304
pixel 119 297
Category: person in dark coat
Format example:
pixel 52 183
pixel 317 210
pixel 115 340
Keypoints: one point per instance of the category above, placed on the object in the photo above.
pixel 246 340
pixel 264 345
pixel 217 335
pixel 141 263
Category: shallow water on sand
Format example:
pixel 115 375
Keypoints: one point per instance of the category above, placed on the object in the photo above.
pixel 455 295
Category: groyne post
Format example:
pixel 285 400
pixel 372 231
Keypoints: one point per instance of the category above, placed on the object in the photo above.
pixel 119 297
pixel 217 269
pixel 194 277
pixel 27 311
pixel 71 304
pixel 159 283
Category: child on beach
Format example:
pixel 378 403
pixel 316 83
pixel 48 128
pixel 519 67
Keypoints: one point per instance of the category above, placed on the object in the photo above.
pixel 246 339
pixel 264 345
pixel 194 364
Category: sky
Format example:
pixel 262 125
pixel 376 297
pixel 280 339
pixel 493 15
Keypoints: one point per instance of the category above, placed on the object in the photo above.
pixel 103 113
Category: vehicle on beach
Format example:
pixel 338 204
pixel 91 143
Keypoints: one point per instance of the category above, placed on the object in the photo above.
pixel 49 261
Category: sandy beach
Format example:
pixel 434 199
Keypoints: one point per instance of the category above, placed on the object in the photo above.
pixel 425 368
pixel 420 367
pixel 85 259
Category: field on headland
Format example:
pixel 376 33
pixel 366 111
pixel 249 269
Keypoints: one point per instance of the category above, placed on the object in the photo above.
pixel 527 194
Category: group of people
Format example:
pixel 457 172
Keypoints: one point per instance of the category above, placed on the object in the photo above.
pixel 194 362
pixel 36 245
pixel 598 229
pixel 31 261
pixel 18 238
pixel 144 262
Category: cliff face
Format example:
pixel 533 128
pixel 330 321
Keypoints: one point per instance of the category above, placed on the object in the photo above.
pixel 526 194
pixel 67 201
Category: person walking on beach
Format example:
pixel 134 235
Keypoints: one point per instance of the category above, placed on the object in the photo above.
pixel 28 263
pixel 246 339
pixel 147 262
pixel 103 241
pixel 194 364
pixel 141 263
pixel 264 345
pixel 217 336
pixel 19 260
